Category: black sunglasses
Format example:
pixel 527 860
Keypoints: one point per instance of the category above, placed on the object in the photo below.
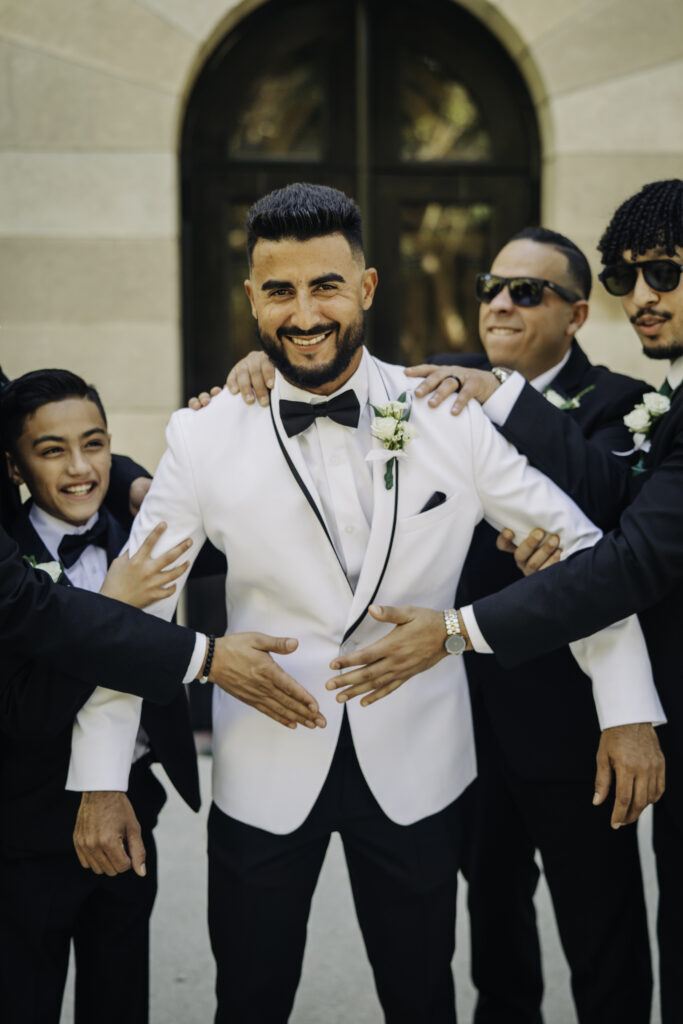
pixel 661 275
pixel 524 291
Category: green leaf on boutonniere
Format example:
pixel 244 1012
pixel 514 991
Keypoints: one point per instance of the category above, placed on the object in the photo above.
pixel 562 403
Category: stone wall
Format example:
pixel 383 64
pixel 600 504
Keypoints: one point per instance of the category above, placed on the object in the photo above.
pixel 92 94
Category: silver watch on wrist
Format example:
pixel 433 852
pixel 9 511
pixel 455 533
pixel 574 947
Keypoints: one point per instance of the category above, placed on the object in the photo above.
pixel 501 373
pixel 455 642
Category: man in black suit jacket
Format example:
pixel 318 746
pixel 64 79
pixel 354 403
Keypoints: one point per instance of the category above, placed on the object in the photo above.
pixel 639 566
pixel 535 725
pixel 56 434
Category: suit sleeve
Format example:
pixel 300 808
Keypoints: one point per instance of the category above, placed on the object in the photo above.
pixel 99 639
pixel 629 570
pixel 514 494
pixel 37 701
pixel 106 726
pixel 597 480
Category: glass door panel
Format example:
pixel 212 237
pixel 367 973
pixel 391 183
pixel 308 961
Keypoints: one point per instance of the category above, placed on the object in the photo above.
pixel 442 248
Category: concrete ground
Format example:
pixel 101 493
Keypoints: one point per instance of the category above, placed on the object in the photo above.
pixel 336 986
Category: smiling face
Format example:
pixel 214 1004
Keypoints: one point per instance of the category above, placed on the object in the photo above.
pixel 530 339
pixel 63 457
pixel 309 300
pixel 656 316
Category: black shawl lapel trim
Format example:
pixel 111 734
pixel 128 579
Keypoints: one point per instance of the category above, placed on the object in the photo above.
pixel 571 376
pixel 666 425
pixel 362 615
pixel 390 545
pixel 305 491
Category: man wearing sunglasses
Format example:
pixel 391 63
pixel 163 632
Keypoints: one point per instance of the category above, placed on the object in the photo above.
pixel 536 742
pixel 638 567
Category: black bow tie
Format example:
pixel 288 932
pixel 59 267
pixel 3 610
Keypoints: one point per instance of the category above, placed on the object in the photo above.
pixel 297 416
pixel 72 545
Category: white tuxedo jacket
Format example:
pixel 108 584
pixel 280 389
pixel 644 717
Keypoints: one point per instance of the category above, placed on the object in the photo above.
pixel 231 474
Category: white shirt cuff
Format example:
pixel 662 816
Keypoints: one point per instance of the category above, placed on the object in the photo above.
pixel 499 406
pixel 617 661
pixel 475 634
pixel 197 659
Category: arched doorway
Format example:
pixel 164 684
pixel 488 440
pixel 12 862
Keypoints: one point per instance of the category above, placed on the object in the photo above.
pixel 417 111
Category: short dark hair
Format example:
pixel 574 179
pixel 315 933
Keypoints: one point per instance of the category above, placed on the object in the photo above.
pixel 650 219
pixel 21 397
pixel 302 211
pixel 577 265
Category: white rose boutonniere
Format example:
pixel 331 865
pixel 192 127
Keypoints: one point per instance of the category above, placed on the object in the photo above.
pixel 656 404
pixel 640 421
pixel 391 427
pixel 556 399
pixel 55 570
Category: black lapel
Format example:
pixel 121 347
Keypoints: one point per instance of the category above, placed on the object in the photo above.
pixel 378 470
pixel 665 426
pixel 570 378
pixel 116 535
pixel 29 541
pixel 362 615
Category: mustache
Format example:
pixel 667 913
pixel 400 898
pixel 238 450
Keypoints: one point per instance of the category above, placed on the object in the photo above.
pixel 649 312
pixel 296 332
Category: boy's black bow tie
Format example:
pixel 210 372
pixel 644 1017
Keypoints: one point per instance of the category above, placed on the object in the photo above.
pixel 72 545
pixel 297 416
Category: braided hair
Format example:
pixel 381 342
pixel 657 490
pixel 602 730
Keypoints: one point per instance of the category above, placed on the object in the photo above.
pixel 651 219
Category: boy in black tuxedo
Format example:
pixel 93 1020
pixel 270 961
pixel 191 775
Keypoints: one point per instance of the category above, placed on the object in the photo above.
pixel 55 434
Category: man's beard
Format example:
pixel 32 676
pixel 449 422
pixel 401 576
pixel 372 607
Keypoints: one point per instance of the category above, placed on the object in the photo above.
pixel 315 377
pixel 672 351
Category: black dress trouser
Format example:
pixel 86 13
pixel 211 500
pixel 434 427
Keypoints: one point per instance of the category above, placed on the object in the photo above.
pixel 49 901
pixel 593 874
pixel 403 880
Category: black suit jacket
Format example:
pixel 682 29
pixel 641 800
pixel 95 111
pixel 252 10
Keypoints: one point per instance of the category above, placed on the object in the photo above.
pixel 638 567
pixel 36 718
pixel 542 712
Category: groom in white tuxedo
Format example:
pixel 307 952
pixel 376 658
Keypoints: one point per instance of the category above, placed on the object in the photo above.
pixel 319 539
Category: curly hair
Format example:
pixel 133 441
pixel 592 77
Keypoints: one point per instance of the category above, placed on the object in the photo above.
pixel 651 219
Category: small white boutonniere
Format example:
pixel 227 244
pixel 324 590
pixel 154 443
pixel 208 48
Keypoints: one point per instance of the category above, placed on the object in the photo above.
pixel 640 421
pixel 391 427
pixel 55 570
pixel 556 399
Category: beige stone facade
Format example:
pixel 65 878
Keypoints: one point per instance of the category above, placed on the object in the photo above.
pixel 92 94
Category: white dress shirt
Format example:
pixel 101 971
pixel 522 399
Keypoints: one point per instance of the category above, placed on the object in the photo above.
pixel 675 374
pixel 335 457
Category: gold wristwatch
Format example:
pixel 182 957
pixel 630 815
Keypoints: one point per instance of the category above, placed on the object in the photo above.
pixel 455 642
